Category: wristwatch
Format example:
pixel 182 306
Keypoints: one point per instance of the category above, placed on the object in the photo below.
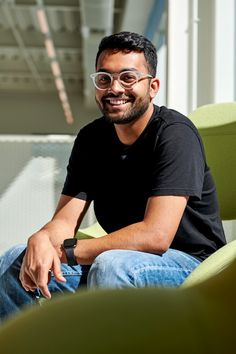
pixel 69 244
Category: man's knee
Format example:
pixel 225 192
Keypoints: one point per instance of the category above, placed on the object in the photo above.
pixel 109 270
pixel 108 261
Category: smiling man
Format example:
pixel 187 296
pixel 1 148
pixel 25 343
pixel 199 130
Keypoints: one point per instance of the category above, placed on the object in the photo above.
pixel 144 168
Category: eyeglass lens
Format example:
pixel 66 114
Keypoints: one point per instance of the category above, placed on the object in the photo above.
pixel 126 79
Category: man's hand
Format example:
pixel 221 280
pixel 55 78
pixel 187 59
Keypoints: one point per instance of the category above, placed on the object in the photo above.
pixel 44 253
pixel 40 258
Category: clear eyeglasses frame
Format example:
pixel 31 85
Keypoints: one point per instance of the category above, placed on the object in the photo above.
pixel 103 80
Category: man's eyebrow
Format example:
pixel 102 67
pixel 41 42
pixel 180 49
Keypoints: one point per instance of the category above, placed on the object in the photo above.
pixel 110 72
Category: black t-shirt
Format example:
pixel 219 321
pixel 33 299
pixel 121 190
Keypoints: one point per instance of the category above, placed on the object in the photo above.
pixel 167 159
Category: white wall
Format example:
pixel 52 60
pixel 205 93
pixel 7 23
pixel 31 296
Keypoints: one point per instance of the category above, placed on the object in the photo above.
pixel 224 52
pixel 201 53
pixel 177 72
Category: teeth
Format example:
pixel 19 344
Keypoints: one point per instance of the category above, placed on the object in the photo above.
pixel 117 102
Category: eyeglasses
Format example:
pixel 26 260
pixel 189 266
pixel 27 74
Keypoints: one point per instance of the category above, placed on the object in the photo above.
pixel 103 80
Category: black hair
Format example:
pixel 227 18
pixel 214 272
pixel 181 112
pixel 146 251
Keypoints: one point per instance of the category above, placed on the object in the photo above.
pixel 129 41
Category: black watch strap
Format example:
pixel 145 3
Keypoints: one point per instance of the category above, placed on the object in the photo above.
pixel 69 245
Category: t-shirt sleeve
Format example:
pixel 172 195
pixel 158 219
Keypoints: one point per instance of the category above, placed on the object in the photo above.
pixel 78 179
pixel 179 162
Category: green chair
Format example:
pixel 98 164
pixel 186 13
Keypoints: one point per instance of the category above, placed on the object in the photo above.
pixel 217 126
pixel 95 230
pixel 214 264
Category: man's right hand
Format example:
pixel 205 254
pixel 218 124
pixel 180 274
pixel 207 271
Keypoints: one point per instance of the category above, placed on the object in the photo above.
pixel 44 252
pixel 40 258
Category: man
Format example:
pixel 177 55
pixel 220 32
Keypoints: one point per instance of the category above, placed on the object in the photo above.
pixel 144 167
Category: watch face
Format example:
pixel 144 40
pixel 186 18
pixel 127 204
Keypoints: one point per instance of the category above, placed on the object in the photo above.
pixel 70 242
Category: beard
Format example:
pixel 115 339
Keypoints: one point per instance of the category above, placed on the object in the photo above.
pixel 138 107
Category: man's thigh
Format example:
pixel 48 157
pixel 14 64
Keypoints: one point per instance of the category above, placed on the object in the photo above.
pixel 124 268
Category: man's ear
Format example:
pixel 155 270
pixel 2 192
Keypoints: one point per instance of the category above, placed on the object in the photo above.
pixel 154 87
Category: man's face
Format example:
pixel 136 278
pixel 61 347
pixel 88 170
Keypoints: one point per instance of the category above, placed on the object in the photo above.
pixel 121 105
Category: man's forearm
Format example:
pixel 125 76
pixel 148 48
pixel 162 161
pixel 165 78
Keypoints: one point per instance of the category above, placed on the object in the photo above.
pixel 133 237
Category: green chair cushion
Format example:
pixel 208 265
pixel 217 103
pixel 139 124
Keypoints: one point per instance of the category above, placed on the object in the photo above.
pixel 95 230
pixel 217 126
pixel 194 320
pixel 215 115
pixel 212 265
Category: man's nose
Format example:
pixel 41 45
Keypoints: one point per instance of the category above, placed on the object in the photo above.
pixel 116 86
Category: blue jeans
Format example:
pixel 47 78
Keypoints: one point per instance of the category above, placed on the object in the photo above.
pixel 111 269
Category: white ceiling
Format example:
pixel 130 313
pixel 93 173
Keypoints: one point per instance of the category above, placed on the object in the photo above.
pixel 76 27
